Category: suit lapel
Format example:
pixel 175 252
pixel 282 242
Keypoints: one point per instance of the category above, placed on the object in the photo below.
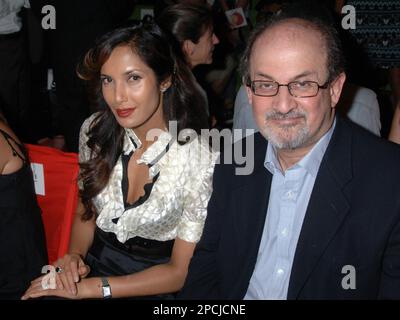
pixel 251 203
pixel 326 210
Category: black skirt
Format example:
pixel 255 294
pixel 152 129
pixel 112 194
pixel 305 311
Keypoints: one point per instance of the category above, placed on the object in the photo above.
pixel 109 257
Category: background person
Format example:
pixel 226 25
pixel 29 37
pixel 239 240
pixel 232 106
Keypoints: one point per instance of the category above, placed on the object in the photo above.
pixel 15 73
pixel 192 27
pixel 394 134
pixel 22 238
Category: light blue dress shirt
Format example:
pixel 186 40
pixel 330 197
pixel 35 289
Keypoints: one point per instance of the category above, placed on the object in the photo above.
pixel 288 201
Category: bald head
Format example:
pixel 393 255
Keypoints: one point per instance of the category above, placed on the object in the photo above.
pixel 292 30
pixel 291 48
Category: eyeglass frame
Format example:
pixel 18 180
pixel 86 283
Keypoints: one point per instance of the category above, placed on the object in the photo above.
pixel 250 84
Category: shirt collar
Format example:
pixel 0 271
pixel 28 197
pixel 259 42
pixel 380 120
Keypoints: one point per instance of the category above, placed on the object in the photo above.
pixel 310 162
pixel 153 152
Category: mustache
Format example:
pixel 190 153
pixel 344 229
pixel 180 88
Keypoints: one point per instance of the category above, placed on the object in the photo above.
pixel 276 115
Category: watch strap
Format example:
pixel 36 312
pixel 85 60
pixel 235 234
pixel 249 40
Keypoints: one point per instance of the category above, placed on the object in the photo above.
pixel 106 288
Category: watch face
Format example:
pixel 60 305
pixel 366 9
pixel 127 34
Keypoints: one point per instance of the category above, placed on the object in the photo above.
pixel 107 292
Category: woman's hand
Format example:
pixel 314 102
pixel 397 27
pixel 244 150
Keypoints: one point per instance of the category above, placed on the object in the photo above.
pixel 70 269
pixel 37 289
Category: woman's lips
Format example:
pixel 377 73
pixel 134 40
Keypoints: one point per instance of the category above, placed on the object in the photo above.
pixel 123 113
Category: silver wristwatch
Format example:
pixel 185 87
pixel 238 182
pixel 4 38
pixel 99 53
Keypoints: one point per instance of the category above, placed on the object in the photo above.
pixel 106 288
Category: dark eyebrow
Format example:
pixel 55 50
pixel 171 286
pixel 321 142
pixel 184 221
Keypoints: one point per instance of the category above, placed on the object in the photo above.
pixel 264 75
pixel 127 73
pixel 301 75
pixel 304 74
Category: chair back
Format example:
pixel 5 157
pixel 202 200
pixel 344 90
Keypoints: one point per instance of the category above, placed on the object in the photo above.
pixel 55 174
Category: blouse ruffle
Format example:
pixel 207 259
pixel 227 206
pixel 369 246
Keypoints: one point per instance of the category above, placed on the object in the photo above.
pixel 177 205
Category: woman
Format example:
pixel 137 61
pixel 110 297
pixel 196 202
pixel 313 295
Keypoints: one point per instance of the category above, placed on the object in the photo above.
pixel 192 27
pixel 142 202
pixel 22 241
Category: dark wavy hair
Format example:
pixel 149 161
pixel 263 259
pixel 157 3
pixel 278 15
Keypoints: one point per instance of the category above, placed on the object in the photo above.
pixel 182 101
pixel 186 21
pixel 319 18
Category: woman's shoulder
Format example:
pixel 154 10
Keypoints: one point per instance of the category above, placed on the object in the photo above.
pixel 84 152
pixel 5 128
pixel 198 153
pixel 6 152
pixel 90 121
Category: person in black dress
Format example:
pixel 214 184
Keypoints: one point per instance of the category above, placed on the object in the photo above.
pixel 22 239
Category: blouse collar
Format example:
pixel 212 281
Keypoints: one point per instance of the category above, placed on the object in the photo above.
pixel 153 153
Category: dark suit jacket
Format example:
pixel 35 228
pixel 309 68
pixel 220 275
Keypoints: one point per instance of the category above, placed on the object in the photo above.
pixel 353 218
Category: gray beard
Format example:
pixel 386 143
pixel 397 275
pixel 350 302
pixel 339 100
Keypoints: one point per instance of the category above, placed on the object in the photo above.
pixel 281 143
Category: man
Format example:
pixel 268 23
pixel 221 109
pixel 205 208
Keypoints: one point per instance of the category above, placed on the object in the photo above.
pixel 359 104
pixel 319 217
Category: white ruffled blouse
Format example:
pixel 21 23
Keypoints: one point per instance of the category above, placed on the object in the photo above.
pixel 177 204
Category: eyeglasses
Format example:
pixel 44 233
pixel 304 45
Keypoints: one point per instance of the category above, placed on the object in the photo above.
pixel 298 89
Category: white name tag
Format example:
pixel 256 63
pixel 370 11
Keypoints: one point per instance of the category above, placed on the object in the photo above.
pixel 38 178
